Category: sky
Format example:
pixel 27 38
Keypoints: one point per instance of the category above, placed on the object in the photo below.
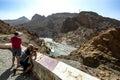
pixel 13 9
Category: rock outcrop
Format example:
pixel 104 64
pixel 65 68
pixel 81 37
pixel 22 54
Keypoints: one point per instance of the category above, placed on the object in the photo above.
pixel 100 55
pixel 106 46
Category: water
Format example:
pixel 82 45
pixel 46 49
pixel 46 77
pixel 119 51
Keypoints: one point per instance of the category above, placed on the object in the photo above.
pixel 58 49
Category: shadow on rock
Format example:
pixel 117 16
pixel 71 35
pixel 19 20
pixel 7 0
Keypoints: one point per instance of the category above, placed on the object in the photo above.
pixel 29 76
pixel 5 75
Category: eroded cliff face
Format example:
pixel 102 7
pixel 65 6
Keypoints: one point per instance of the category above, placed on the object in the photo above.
pixel 100 56
pixel 84 26
pixel 104 46
pixel 88 20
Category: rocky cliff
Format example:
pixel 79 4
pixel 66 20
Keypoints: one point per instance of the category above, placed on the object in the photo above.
pixel 100 56
pixel 84 26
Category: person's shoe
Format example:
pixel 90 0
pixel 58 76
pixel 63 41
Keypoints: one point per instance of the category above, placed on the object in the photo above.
pixel 14 72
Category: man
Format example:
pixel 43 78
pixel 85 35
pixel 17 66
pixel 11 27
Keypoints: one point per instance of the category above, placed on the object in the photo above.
pixel 26 59
pixel 27 65
pixel 16 48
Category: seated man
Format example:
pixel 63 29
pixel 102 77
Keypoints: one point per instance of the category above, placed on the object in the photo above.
pixel 26 64
pixel 26 59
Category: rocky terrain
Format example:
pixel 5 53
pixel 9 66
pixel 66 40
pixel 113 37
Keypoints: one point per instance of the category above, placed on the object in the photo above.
pixel 100 56
pixel 46 26
pixel 20 20
pixel 75 31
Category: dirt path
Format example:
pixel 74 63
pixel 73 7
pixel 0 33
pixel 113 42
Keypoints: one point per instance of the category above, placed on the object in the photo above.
pixel 5 71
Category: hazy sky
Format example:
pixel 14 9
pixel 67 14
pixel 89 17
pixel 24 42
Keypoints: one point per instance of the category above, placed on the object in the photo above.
pixel 13 9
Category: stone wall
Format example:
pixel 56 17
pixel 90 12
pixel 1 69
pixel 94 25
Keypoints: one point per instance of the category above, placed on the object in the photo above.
pixel 44 74
pixel 48 68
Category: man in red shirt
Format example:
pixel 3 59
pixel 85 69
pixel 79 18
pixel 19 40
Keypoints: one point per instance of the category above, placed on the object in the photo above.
pixel 16 48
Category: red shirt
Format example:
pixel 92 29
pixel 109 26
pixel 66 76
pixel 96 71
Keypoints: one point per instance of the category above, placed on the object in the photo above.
pixel 16 42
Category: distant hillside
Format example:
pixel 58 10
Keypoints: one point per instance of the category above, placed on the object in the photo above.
pixel 20 20
pixel 75 31
pixel 46 26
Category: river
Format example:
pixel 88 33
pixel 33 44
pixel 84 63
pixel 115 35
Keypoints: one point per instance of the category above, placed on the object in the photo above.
pixel 58 49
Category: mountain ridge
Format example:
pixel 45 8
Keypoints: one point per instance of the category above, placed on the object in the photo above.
pixel 20 20
pixel 46 26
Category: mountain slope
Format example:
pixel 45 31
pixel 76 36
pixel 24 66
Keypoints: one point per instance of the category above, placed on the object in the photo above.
pixel 84 26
